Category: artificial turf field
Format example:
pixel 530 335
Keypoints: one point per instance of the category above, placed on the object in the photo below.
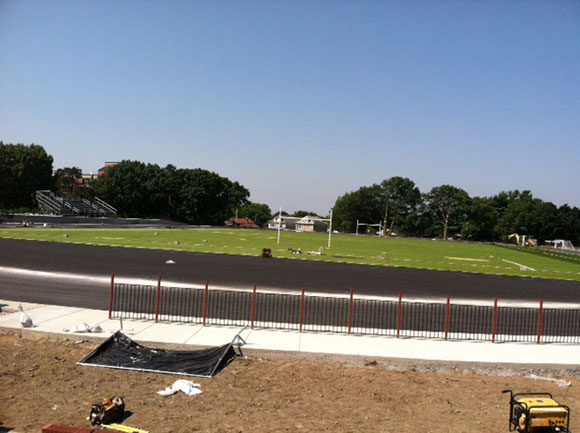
pixel 403 252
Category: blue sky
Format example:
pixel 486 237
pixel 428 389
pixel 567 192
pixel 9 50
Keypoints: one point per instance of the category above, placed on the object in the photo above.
pixel 303 101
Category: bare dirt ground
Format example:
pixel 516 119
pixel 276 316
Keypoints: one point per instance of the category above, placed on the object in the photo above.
pixel 270 392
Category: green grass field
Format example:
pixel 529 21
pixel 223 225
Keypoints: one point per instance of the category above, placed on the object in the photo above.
pixel 412 253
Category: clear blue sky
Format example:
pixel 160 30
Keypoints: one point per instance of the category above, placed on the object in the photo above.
pixel 301 101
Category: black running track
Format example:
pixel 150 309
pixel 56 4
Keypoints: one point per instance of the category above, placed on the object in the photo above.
pixel 243 271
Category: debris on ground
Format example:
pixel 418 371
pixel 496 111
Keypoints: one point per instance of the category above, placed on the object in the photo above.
pixel 270 391
pixel 107 411
pixel 186 386
pixel 120 352
pixel 123 428
pixel 561 383
pixel 83 327
pixel 25 319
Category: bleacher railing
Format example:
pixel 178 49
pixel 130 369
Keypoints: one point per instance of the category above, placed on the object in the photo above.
pixel 347 314
pixel 50 203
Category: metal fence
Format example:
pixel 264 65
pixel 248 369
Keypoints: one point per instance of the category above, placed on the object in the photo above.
pixel 348 315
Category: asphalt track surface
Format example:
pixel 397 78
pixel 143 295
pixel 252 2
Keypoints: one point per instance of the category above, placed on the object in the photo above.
pixel 241 272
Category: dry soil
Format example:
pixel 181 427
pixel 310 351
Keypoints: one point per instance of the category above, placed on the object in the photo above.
pixel 40 383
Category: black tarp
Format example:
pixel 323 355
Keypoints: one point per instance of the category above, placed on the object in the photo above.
pixel 120 352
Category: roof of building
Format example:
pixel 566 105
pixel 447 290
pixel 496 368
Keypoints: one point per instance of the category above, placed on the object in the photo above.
pixel 243 222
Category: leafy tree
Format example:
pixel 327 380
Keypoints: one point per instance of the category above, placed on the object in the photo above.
pixel 260 213
pixel 303 213
pixel 501 202
pixel 483 217
pixel 449 206
pixel 402 198
pixel 544 220
pixel 195 196
pixel 568 224
pixel 364 204
pixel 65 181
pixel 165 189
pixel 207 198
pixel 530 216
pixel 127 187
pixel 24 169
pixel 447 210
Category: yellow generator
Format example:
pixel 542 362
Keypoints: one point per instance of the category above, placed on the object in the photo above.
pixel 537 413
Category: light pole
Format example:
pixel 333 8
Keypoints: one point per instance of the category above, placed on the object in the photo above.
pixel 330 230
pixel 279 224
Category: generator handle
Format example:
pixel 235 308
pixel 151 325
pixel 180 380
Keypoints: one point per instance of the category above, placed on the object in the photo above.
pixel 512 426
pixel 530 394
pixel 505 391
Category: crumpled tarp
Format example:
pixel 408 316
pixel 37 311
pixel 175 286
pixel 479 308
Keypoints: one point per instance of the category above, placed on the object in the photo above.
pixel 120 352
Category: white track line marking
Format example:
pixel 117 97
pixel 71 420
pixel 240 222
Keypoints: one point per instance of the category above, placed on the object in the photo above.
pixel 519 264
pixel 150 282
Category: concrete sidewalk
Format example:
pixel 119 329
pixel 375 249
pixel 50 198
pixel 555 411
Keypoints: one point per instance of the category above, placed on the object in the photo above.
pixel 59 320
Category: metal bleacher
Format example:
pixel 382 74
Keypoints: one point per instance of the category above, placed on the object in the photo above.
pixel 52 204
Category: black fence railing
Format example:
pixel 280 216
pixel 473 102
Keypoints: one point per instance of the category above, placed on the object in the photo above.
pixel 303 312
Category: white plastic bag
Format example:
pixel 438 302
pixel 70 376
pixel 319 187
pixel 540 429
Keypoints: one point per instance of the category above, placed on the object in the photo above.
pixel 95 328
pixel 25 320
pixel 80 328
pixel 185 386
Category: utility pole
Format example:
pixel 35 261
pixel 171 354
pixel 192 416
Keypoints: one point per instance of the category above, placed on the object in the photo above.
pixel 330 230
pixel 386 215
pixel 279 224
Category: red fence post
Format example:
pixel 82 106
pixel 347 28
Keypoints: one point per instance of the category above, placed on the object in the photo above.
pixel 350 311
pixel 494 327
pixel 540 320
pixel 158 300
pixel 111 295
pixel 400 314
pixel 302 310
pixel 254 306
pixel 447 316
pixel 205 301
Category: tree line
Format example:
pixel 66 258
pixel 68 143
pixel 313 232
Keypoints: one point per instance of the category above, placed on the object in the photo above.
pixel 448 211
pixel 23 170
pixel 134 188
pixel 198 196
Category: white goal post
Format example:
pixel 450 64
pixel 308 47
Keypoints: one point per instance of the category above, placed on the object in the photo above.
pixel 366 224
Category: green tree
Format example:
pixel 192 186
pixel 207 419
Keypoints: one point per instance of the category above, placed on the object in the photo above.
pixel 165 188
pixel 65 181
pixel 128 187
pixel 501 202
pixel 23 171
pixel 303 213
pixel 449 206
pixel 207 198
pixel 260 213
pixel 483 217
pixel 401 198
pixel 527 215
pixel 568 224
pixel 195 196
pixel 364 204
